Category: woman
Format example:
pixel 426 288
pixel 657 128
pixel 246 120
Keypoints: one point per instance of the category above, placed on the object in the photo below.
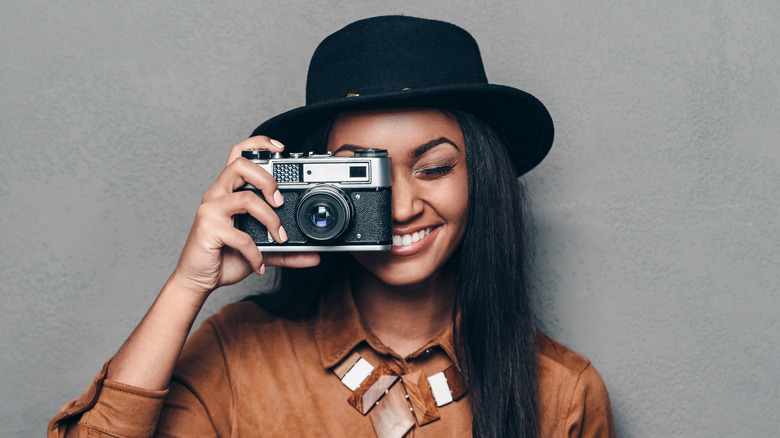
pixel 435 336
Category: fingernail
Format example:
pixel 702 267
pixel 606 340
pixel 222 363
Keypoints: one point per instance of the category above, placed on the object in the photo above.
pixel 282 234
pixel 261 271
pixel 278 198
pixel 277 143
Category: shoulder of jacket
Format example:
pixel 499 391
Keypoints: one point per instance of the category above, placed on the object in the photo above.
pixel 247 312
pixel 554 356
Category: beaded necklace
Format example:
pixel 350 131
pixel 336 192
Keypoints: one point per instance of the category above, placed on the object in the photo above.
pixel 394 409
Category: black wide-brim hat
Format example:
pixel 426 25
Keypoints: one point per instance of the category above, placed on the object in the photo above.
pixel 398 61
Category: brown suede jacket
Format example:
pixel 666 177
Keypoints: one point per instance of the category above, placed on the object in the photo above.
pixel 245 372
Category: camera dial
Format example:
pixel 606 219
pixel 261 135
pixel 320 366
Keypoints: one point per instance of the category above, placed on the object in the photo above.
pixel 255 154
pixel 370 153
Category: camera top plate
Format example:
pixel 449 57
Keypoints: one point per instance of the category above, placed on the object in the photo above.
pixel 369 168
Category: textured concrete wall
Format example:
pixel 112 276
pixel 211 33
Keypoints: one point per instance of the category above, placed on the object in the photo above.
pixel 657 209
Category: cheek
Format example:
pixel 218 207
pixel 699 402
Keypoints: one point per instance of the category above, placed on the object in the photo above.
pixel 451 201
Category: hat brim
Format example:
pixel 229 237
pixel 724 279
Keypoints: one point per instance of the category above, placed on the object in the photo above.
pixel 518 117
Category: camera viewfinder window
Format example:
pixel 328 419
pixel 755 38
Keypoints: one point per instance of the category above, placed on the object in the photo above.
pixel 357 172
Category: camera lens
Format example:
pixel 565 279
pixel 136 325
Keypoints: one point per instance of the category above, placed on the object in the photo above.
pixel 324 212
pixel 322 217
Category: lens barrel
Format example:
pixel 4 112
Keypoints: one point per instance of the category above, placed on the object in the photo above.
pixel 324 212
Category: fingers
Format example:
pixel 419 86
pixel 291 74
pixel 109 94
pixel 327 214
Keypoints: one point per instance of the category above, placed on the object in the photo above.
pixel 241 171
pixel 292 259
pixel 256 142
pixel 226 207
pixel 216 253
pixel 243 243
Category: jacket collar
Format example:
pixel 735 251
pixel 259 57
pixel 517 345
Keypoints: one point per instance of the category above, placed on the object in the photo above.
pixel 339 328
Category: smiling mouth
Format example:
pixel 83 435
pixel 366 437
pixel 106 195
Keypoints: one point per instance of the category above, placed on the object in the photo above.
pixel 404 240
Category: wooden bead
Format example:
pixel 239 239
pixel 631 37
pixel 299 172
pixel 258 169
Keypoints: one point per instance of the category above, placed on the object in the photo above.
pixel 373 388
pixel 420 397
pixel 391 417
pixel 346 364
pixel 455 381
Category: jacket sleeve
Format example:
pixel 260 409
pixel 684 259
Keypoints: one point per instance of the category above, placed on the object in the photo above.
pixel 590 412
pixel 109 408
pixel 200 402
pixel 197 403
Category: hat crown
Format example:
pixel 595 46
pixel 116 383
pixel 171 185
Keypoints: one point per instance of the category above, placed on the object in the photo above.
pixel 373 56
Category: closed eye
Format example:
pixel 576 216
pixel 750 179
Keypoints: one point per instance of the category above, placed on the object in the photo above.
pixel 435 171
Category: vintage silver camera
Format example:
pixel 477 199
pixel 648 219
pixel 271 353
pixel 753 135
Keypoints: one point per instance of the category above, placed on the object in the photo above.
pixel 330 203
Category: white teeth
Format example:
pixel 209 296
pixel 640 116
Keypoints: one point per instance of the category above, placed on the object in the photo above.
pixel 408 239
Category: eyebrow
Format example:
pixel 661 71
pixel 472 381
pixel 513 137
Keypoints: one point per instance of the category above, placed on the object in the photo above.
pixel 415 153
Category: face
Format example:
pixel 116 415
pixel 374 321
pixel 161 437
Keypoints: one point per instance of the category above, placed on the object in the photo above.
pixel 430 187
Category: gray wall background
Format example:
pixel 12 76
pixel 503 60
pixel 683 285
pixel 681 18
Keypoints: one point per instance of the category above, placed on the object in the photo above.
pixel 657 209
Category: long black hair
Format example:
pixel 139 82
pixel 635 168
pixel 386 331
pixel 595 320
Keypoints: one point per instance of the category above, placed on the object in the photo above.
pixel 494 332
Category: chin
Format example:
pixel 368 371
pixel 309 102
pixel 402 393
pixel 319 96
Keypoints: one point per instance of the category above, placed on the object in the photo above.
pixel 400 279
pixel 394 272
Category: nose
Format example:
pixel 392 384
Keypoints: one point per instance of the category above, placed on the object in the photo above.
pixel 407 204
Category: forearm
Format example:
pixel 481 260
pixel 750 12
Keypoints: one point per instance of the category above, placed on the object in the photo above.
pixel 146 360
pixel 215 254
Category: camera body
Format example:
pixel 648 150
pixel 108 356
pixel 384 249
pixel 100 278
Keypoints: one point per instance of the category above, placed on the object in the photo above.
pixel 330 203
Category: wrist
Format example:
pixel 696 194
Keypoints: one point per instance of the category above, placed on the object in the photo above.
pixel 185 291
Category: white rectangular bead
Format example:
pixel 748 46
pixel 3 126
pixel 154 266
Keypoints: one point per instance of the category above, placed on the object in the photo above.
pixel 440 389
pixel 357 374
